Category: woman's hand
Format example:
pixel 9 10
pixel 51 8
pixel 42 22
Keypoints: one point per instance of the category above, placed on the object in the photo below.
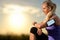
pixel 34 23
pixel 39 25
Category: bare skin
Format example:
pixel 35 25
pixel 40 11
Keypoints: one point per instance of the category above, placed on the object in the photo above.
pixel 32 36
pixel 46 10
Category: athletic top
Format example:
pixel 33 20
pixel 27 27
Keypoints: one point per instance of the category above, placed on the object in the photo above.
pixel 54 32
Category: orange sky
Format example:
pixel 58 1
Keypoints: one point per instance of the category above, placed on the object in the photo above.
pixel 16 16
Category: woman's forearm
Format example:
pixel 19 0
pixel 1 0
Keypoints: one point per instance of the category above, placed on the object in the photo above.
pixel 44 22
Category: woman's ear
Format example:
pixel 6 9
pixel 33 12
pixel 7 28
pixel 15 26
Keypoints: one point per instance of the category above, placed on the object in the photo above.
pixel 50 8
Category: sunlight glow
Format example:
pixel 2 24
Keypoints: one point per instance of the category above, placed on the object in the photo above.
pixel 12 9
pixel 16 19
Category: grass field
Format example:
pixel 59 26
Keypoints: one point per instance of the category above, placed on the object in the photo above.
pixel 14 37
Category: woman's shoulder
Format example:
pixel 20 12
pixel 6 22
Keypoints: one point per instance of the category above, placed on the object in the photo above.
pixel 56 18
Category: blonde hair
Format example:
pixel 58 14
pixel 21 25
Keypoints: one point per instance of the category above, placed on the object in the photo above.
pixel 50 4
pixel 53 8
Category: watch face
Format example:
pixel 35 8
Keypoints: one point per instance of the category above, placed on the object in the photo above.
pixel 50 22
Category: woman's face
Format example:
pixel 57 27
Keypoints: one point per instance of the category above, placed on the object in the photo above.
pixel 45 8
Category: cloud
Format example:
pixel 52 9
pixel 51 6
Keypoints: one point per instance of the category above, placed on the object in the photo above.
pixel 12 8
pixel 32 10
pixel 17 9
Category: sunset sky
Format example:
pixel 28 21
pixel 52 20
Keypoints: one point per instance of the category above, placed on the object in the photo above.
pixel 16 16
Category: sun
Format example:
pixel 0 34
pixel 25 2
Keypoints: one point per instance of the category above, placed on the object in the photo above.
pixel 17 20
pixel 16 16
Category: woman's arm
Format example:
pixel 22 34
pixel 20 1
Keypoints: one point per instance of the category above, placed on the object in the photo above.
pixel 48 16
pixel 32 36
pixel 44 22
pixel 55 17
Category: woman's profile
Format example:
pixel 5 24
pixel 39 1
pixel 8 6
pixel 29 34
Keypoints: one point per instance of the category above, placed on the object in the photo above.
pixel 48 8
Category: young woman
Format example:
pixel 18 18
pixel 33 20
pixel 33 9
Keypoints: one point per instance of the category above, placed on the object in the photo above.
pixel 53 31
